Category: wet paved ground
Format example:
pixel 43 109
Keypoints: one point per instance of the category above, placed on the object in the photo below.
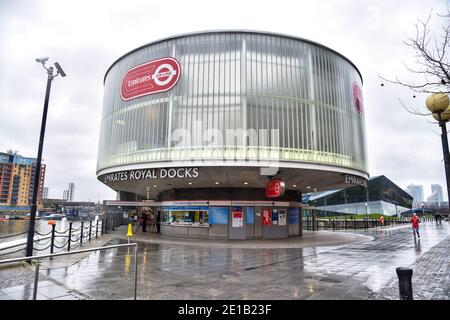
pixel 431 276
pixel 175 271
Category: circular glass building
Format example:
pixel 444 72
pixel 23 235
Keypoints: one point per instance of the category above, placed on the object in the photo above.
pixel 224 130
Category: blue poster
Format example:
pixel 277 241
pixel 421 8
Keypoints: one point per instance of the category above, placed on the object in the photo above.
pixel 250 215
pixel 293 215
pixel 218 215
pixel 275 216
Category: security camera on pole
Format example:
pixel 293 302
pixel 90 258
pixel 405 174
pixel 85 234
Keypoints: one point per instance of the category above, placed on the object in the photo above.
pixel 50 77
pixel 439 105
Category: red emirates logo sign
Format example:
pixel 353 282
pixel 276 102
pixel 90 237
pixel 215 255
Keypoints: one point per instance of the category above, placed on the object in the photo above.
pixel 275 188
pixel 358 98
pixel 152 77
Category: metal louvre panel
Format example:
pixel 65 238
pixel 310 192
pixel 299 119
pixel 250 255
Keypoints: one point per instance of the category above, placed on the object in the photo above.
pixel 244 81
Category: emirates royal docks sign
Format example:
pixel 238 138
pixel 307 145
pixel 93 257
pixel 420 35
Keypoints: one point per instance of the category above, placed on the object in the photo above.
pixel 149 174
pixel 152 77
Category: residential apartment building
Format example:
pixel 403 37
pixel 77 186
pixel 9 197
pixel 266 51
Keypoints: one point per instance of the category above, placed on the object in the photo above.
pixel 17 175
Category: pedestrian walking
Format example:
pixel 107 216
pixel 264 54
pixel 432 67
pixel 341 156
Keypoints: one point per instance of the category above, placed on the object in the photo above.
pixel 151 221
pixel 382 221
pixel 415 225
pixel 158 222
pixel 144 220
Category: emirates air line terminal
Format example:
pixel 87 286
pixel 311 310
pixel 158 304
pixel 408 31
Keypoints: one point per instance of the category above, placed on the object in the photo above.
pixel 222 132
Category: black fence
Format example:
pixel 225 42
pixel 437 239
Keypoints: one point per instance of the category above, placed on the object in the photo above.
pixel 57 241
pixel 346 223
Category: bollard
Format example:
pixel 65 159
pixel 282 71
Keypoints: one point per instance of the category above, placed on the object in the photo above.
pixel 52 243
pixel 36 280
pixel 70 237
pixel 405 283
pixel 90 229
pixel 62 226
pixel 130 232
pixel 81 233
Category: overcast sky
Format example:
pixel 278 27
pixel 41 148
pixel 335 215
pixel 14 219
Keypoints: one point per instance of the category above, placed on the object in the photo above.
pixel 85 37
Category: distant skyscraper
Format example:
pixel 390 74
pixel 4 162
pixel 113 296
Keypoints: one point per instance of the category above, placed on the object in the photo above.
pixel 71 191
pixel 66 195
pixel 436 193
pixel 416 191
pixel 45 193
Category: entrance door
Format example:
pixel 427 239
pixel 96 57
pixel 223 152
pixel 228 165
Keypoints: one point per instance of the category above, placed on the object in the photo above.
pixel 258 222
pixel 274 223
pixel 237 223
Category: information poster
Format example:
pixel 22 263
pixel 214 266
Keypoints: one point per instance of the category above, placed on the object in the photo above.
pixel 238 219
pixel 293 216
pixel 266 217
pixel 218 215
pixel 250 215
pixel 282 218
pixel 275 217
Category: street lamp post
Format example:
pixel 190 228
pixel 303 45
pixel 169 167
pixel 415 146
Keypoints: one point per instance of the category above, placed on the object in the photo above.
pixel 50 77
pixel 423 210
pixel 439 105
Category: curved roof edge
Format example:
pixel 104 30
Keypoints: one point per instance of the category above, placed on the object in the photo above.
pixel 232 31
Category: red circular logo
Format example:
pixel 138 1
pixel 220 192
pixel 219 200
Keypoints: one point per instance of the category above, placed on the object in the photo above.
pixel 277 187
pixel 152 77
pixel 358 98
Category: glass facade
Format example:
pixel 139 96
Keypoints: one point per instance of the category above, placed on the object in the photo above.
pixel 240 96
pixel 381 196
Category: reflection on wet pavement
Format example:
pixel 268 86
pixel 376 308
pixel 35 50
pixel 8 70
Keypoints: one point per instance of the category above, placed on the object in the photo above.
pixel 354 271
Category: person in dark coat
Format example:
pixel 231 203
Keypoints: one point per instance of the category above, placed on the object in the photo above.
pixel 158 222
pixel 144 221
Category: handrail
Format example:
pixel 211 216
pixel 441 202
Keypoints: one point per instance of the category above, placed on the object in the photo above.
pixel 53 234
pixel 39 257
pixel 67 253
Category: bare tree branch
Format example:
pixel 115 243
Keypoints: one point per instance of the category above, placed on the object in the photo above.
pixel 413 110
pixel 431 57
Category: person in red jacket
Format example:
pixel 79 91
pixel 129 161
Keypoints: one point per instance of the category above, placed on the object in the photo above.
pixel 415 225
pixel 382 221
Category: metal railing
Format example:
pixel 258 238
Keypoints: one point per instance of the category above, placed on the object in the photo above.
pixel 68 239
pixel 348 223
pixel 38 258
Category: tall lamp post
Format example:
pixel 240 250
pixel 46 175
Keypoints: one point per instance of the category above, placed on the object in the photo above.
pixel 50 77
pixel 439 105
